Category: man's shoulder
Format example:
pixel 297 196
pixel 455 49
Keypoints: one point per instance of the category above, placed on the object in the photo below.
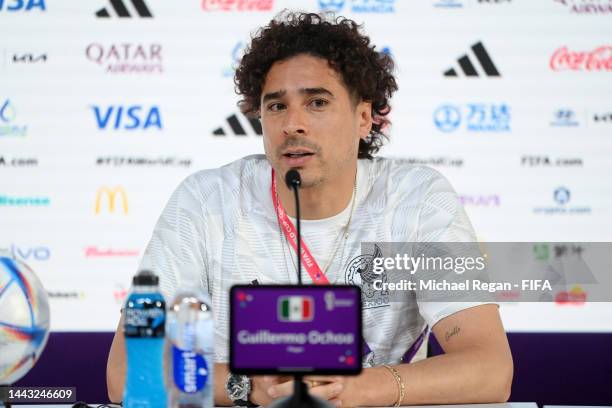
pixel 227 179
pixel 233 173
pixel 403 174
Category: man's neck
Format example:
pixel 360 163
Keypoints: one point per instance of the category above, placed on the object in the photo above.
pixel 317 202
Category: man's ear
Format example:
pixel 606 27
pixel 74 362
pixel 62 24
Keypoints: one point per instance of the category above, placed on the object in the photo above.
pixel 364 112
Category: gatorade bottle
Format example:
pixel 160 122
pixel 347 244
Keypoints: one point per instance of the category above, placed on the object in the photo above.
pixel 144 329
pixel 191 356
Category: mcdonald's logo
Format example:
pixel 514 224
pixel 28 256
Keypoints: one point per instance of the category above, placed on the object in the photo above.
pixel 112 194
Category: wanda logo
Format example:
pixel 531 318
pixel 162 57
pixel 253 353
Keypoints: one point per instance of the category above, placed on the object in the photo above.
pixel 600 59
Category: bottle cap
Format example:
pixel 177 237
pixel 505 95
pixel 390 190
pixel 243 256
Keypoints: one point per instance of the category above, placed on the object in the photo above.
pixel 145 278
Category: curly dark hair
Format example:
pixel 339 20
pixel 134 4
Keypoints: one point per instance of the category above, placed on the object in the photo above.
pixel 366 72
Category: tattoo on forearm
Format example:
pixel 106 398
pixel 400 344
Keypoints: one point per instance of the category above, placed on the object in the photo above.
pixel 453 332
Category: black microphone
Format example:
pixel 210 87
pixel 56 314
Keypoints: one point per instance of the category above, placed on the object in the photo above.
pixel 294 181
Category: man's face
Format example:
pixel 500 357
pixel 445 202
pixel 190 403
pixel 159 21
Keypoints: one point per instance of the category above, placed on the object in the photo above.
pixel 310 122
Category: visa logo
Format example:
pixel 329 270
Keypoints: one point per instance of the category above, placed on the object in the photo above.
pixel 127 117
pixel 40 253
pixel 15 5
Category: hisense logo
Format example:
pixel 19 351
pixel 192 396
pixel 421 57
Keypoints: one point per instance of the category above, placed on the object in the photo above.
pixel 24 201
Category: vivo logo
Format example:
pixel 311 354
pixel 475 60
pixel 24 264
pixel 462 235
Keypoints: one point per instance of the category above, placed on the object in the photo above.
pixel 40 253
pixel 127 117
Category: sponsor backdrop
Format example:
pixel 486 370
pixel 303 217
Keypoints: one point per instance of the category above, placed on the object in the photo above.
pixel 106 105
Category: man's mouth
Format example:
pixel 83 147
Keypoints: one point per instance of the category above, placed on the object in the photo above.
pixel 297 157
pixel 297 154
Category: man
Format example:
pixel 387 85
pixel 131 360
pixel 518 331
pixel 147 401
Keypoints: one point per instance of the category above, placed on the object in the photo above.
pixel 321 92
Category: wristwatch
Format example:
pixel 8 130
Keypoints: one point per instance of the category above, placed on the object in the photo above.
pixel 238 389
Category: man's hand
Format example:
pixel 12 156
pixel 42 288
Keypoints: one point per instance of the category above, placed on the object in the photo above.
pixel 261 385
pixel 324 387
pixel 476 367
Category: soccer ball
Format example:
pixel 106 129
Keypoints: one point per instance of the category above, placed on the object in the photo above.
pixel 24 319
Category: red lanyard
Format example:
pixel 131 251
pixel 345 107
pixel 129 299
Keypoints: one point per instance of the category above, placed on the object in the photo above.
pixel 313 267
pixel 308 261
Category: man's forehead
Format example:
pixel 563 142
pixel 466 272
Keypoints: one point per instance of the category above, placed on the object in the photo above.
pixel 302 91
pixel 299 73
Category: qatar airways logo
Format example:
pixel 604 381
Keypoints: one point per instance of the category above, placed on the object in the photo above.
pixel 127 58
pixel 587 6
pixel 599 59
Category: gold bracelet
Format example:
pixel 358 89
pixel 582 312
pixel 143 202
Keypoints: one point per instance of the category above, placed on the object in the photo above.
pixel 401 388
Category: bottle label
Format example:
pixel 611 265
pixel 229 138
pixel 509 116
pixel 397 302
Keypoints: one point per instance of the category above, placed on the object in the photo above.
pixel 190 370
pixel 145 316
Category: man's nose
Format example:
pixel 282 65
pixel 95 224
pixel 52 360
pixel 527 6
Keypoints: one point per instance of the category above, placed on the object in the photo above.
pixel 295 123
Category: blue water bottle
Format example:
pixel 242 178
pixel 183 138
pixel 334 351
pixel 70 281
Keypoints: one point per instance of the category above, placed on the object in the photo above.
pixel 144 329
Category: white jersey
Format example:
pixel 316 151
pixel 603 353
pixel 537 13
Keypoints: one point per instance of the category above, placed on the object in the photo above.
pixel 220 228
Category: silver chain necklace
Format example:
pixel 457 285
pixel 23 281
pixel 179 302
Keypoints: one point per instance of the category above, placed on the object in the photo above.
pixel 343 236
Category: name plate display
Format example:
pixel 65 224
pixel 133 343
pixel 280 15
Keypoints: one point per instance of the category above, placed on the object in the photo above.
pixel 295 329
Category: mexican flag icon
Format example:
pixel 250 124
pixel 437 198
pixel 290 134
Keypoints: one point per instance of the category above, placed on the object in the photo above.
pixel 295 308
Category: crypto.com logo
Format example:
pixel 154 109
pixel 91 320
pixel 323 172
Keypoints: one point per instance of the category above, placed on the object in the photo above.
pixel 112 195
pixel 562 195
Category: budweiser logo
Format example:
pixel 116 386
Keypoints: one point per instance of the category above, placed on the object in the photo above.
pixel 95 252
pixel 599 59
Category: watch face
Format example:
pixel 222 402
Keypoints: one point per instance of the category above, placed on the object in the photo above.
pixel 238 387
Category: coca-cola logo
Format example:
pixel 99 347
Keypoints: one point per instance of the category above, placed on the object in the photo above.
pixel 127 57
pixel 600 59
pixel 237 5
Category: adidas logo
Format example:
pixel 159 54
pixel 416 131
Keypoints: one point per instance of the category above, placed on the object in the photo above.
pixel 236 126
pixel 122 11
pixel 468 68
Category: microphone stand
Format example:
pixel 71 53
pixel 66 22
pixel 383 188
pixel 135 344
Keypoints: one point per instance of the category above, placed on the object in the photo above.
pixel 301 397
pixel 296 186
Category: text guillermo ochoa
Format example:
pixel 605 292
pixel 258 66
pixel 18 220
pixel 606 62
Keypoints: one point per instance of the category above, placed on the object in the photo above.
pixel 313 337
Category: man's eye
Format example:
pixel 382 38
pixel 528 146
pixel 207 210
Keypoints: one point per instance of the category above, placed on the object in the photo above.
pixel 275 107
pixel 319 103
